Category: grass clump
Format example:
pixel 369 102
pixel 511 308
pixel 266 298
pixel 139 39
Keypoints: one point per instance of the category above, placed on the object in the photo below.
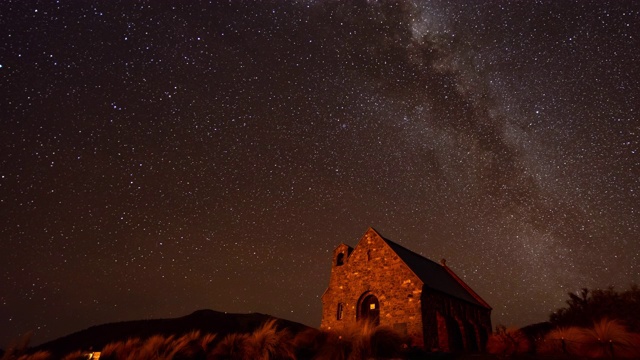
pixel 508 342
pixel 607 338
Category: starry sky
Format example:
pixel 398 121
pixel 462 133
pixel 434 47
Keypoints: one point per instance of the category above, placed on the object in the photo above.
pixel 163 157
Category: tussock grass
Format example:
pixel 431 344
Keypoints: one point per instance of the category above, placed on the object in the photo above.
pixel 564 340
pixel 232 347
pixel 109 351
pixel 609 338
pixel 17 347
pixel 155 347
pixel 188 346
pixel 39 355
pixel 387 343
pixel 267 342
pixel 76 355
pixel 364 340
pixel 508 342
pixel 123 350
pixel 605 339
pixel 333 346
pixel 360 336
pixel 207 342
pixel 192 345
pixel 308 342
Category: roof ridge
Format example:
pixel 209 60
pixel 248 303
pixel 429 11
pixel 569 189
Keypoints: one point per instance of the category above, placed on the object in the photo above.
pixel 404 248
pixel 472 295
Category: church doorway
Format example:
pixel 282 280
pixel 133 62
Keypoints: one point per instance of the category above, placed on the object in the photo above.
pixel 369 309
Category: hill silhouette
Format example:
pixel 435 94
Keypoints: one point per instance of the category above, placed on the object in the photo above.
pixel 206 321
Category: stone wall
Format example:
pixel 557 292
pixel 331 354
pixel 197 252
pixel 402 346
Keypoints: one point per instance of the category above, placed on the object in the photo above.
pixel 454 324
pixel 373 268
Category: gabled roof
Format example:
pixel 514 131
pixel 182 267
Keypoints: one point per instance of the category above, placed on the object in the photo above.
pixel 436 276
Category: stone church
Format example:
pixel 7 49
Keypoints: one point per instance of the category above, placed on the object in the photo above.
pixel 387 284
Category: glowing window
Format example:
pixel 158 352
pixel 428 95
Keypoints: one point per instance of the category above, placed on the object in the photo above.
pixel 372 306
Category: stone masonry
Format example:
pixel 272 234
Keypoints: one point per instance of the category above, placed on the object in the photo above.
pixel 373 282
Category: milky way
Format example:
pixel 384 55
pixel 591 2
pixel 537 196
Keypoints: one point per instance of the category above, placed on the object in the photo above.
pixel 163 158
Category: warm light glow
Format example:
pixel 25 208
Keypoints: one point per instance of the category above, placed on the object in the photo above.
pixel 164 159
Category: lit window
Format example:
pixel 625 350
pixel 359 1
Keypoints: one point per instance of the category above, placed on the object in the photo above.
pixel 372 306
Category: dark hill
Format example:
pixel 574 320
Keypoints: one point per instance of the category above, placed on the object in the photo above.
pixel 206 321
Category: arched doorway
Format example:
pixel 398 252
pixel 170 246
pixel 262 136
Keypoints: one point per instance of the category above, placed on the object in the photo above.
pixel 369 309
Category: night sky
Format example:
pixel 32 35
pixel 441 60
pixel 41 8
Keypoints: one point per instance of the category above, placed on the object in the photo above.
pixel 163 157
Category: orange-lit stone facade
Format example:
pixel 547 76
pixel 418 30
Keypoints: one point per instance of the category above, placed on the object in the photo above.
pixel 373 282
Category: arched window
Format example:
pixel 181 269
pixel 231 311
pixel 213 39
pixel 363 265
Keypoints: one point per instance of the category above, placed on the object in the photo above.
pixel 340 259
pixel 340 311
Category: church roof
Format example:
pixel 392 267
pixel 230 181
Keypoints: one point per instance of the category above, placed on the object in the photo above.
pixel 436 276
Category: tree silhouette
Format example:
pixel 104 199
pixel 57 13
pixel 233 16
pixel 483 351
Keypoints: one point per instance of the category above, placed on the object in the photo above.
pixel 587 306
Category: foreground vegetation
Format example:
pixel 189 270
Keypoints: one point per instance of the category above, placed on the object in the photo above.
pixel 599 324
pixel 268 342
pixel 595 324
pixel 586 306
pixel 605 339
